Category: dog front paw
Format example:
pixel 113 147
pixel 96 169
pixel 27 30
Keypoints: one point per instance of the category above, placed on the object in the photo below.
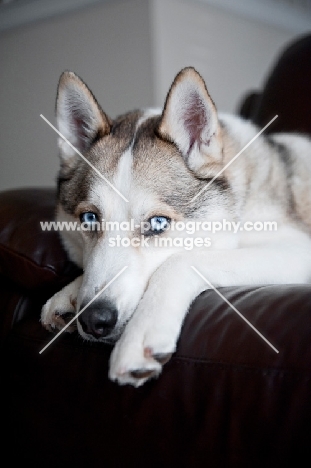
pixel 135 360
pixel 57 312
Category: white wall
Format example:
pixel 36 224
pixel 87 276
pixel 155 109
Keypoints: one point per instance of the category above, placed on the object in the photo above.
pixel 107 45
pixel 233 53
pixel 128 52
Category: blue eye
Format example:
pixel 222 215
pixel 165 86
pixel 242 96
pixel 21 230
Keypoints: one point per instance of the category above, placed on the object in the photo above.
pixel 159 224
pixel 88 217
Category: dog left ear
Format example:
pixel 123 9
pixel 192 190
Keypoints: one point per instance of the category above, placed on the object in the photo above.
pixel 190 121
pixel 79 117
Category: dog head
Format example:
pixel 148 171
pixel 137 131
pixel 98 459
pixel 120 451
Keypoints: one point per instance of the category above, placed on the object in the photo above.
pixel 136 174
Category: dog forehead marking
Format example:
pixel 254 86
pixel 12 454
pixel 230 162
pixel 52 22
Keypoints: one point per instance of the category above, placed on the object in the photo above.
pixel 123 176
pixel 148 113
pixel 123 173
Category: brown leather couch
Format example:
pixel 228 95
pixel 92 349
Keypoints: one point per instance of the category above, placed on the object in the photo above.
pixel 226 399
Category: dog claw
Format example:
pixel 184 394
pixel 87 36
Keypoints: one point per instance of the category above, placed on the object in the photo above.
pixel 49 327
pixel 143 373
pixel 162 358
pixel 59 320
pixel 67 316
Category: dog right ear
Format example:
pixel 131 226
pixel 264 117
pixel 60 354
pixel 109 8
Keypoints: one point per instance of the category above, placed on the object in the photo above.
pixel 190 121
pixel 79 117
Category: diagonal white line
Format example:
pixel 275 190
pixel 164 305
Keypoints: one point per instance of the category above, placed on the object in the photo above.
pixel 235 309
pixel 233 159
pixel 84 158
pixel 80 311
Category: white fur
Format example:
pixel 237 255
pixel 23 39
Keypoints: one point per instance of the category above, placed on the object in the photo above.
pixel 154 293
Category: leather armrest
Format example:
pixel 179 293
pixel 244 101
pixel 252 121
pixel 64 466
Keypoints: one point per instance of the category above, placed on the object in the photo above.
pixel 30 257
pixel 226 399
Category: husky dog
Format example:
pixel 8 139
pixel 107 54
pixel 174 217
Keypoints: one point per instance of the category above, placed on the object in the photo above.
pixel 162 169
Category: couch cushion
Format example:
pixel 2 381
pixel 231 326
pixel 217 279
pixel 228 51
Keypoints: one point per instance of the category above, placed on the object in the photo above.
pixel 29 256
pixel 225 400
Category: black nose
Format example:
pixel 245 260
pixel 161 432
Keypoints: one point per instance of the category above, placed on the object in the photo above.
pixel 98 319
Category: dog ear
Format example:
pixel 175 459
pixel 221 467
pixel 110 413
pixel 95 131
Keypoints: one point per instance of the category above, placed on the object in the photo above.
pixel 190 121
pixel 79 117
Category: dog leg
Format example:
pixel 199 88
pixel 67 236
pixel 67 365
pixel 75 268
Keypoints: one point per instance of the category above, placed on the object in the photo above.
pixel 150 337
pixel 61 307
